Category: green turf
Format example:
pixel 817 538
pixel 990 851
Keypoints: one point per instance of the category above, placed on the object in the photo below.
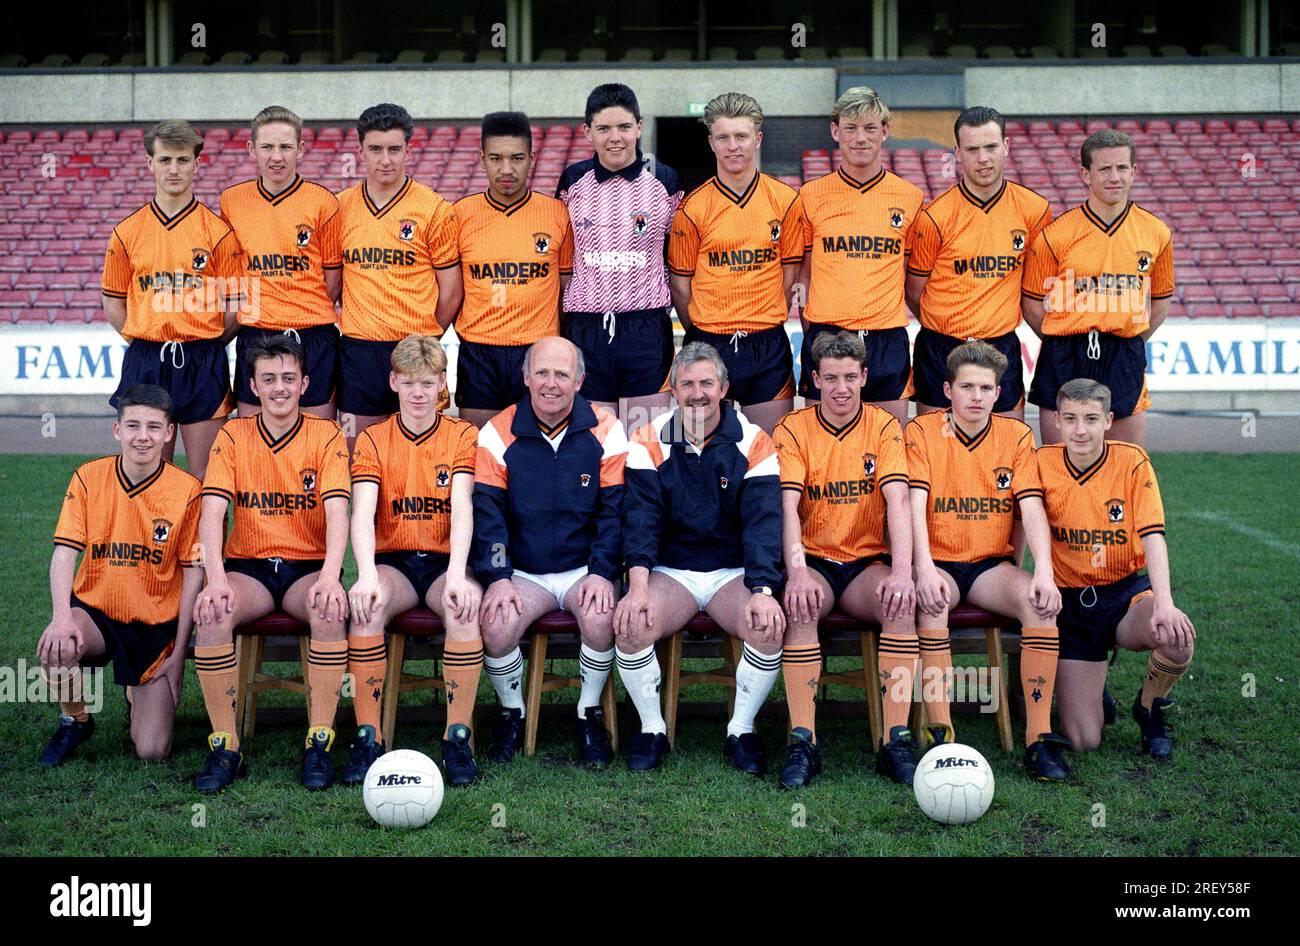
pixel 1230 789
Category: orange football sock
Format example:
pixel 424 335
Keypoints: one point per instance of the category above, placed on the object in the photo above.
pixel 327 661
pixel 217 677
pixel 462 662
pixel 1162 674
pixel 801 668
pixel 897 664
pixel 936 673
pixel 66 682
pixel 1039 647
pixel 368 663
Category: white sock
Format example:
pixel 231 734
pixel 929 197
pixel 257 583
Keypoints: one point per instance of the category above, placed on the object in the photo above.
pixel 593 668
pixel 754 679
pixel 507 676
pixel 640 675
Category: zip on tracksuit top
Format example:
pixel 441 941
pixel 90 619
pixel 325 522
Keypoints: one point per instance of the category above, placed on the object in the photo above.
pixel 548 505
pixel 718 506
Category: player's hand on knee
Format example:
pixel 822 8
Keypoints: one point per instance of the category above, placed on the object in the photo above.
pixel 897 595
pixel 595 594
pixel 1171 626
pixel 61 643
pixel 213 603
pixel 628 612
pixel 803 596
pixel 327 598
pixel 931 592
pixel 764 615
pixel 367 599
pixel 498 600
pixel 460 596
pixel 1044 596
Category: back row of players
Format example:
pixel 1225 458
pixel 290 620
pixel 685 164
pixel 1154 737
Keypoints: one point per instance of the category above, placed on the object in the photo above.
pixel 496 264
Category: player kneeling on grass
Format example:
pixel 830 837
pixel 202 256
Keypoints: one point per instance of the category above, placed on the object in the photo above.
pixel 843 467
pixel 412 523
pixel 969 469
pixel 286 474
pixel 548 508
pixel 702 532
pixel 135 516
pixel 1102 497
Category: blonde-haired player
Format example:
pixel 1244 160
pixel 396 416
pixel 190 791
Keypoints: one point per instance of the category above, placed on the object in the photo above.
pixel 412 522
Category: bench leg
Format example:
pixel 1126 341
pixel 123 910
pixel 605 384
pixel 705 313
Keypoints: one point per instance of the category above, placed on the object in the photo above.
pixel 304 658
pixel 670 666
pixel 871 681
pixel 533 690
pixel 392 686
pixel 611 712
pixel 250 664
pixel 994 637
pixel 732 648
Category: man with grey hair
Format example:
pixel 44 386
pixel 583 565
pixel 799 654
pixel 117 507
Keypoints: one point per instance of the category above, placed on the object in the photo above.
pixel 855 233
pixel 548 506
pixel 702 532
pixel 727 252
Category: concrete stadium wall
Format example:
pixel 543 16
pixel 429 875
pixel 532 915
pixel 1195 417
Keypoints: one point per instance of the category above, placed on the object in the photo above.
pixel 340 93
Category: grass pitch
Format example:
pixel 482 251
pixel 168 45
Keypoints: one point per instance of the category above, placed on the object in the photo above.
pixel 1230 790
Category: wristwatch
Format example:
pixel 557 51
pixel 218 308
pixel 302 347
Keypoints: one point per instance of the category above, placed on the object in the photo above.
pixel 763 590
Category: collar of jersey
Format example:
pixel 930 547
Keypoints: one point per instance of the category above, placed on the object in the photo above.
pixel 509 209
pixel 1113 227
pixel 970 443
pixel 861 186
pixel 838 432
pixel 629 173
pixel 393 201
pixel 739 200
pixel 285 438
pixel 1082 476
pixel 181 214
pixel 411 435
pixel 274 199
pixel 984 205
pixel 728 428
pixel 133 490
pixel 526 424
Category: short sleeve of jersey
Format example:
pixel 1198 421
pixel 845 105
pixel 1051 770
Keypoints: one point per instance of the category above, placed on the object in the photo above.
pixel 925 240
pixel 795 241
pixel 1149 511
pixel 566 248
pixel 1040 268
pixel 790 458
pixel 71 528
pixel 1039 226
pixel 891 457
pixel 335 479
pixel 683 245
pixel 220 479
pixel 1025 479
pixel 1162 273
pixel 225 256
pixel 365 460
pixel 918 458
pixel 117 268
pixel 443 238
pixel 331 249
pixel 190 555
pixel 466 451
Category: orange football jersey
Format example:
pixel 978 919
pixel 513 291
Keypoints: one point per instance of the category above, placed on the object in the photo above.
pixel 175 273
pixel 136 538
pixel 839 474
pixel 971 250
pixel 1100 515
pixel 389 257
pixel 511 260
pixel 973 483
pixel 414 473
pixel 859 236
pixel 278 487
pixel 288 239
pixel 1091 275
pixel 733 247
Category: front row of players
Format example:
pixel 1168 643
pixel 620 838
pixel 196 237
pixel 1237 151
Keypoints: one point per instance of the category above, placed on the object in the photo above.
pixel 542 508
